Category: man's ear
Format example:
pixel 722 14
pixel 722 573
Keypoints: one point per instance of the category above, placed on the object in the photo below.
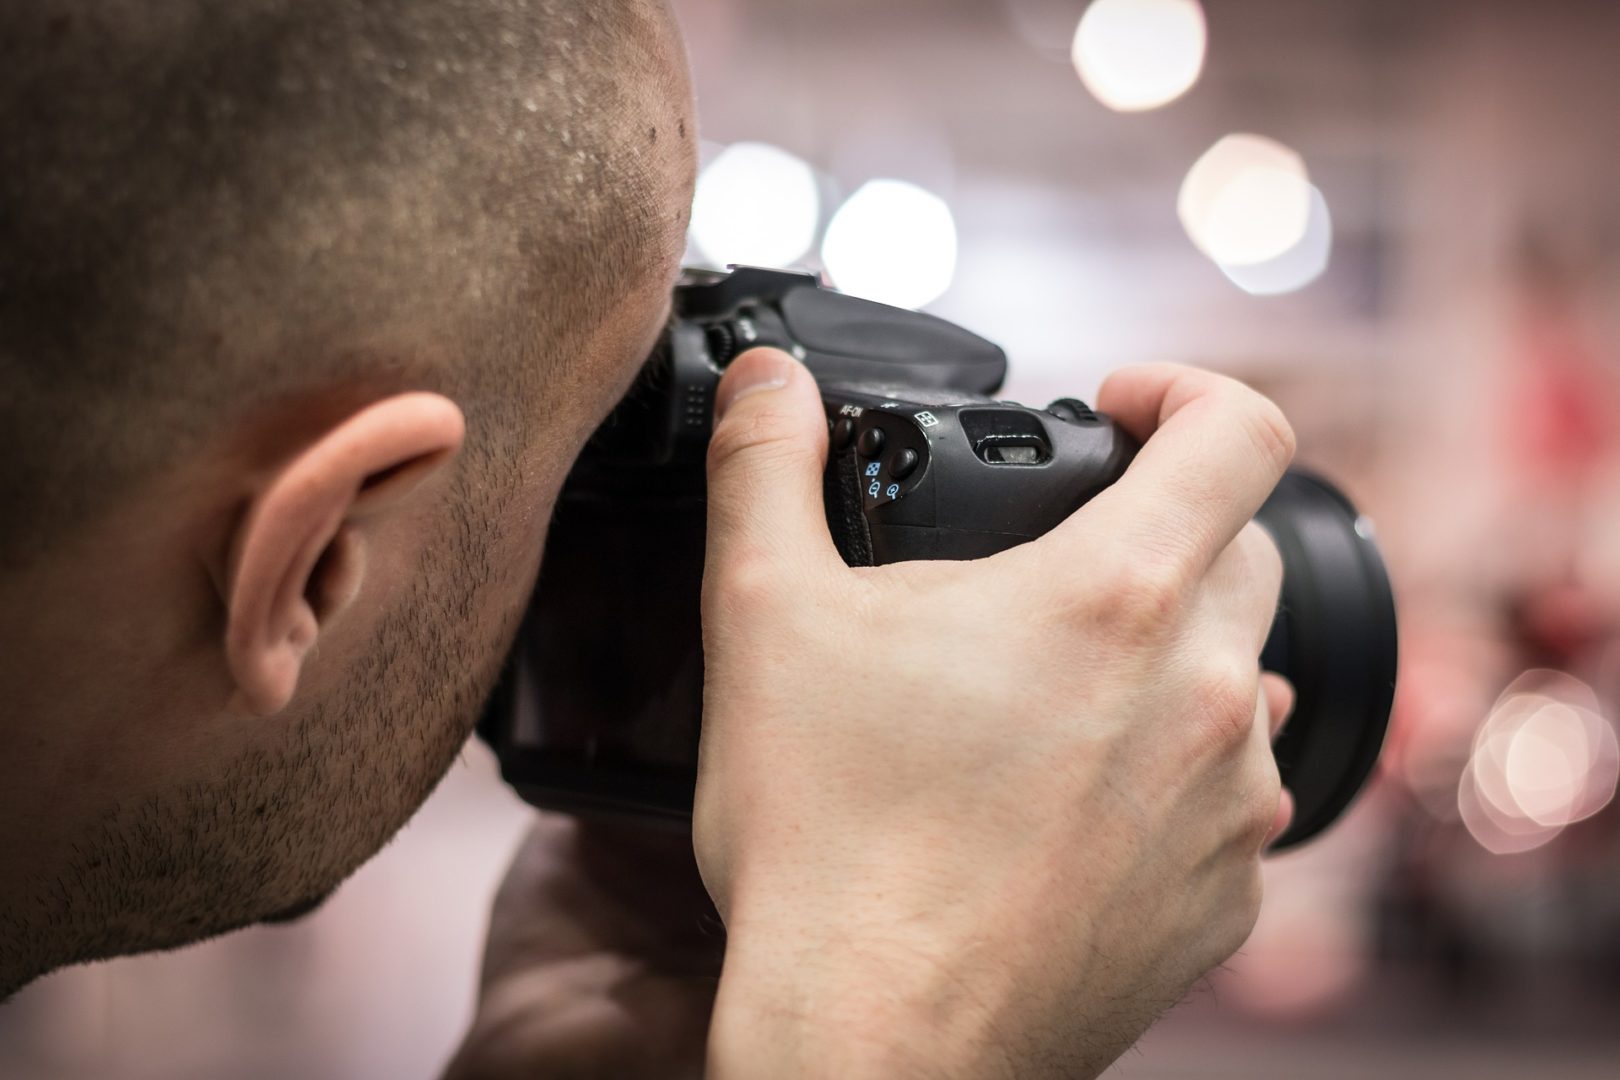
pixel 298 556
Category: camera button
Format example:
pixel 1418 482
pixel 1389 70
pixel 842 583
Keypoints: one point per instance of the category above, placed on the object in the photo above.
pixel 871 442
pixel 843 433
pixel 904 464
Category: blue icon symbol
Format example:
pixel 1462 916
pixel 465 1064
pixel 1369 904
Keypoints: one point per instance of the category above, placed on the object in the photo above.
pixel 872 469
pixel 894 489
pixel 873 490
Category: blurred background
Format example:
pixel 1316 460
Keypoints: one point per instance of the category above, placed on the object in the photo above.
pixel 1401 221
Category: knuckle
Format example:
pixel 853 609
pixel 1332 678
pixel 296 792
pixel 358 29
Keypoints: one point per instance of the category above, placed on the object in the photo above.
pixel 1224 702
pixel 1234 916
pixel 1143 597
pixel 1259 812
pixel 1270 431
pixel 1245 910
pixel 1260 563
pixel 1261 554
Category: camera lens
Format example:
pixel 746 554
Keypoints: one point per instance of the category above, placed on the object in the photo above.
pixel 1334 638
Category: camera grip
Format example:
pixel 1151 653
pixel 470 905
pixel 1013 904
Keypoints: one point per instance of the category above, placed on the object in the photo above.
pixel 846 520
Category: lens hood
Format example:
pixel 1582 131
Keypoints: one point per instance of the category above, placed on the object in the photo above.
pixel 1335 640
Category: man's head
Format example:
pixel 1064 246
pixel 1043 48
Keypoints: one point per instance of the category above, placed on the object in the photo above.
pixel 305 308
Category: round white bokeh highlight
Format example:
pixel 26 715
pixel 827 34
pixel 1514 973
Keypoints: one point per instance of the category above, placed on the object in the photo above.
pixel 1246 200
pixel 892 242
pixel 1542 760
pixel 755 204
pixel 1135 55
pixel 1298 266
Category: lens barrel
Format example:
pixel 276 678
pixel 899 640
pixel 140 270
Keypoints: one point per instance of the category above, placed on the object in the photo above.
pixel 1334 638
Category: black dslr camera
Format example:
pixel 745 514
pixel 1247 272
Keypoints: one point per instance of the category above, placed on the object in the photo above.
pixel 599 707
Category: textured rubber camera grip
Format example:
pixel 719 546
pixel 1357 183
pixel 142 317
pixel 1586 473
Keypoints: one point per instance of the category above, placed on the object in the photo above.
pixel 845 520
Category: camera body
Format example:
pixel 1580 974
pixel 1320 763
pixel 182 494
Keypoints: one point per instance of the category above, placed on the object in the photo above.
pixel 956 476
pixel 599 708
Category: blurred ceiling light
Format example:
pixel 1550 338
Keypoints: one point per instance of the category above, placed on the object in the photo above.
pixel 755 204
pixel 893 242
pixel 1247 200
pixel 1298 266
pixel 1139 54
pixel 1546 764
pixel 1490 831
pixel 1540 762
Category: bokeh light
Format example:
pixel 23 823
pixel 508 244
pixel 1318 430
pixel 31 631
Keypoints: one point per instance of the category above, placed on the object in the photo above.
pixel 1543 759
pixel 755 204
pixel 1295 268
pixel 1246 200
pixel 893 242
pixel 1139 54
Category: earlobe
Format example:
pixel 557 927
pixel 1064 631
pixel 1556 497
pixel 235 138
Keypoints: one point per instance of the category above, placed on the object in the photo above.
pixel 298 558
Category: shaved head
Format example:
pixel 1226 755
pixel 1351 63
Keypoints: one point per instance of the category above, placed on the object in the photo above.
pixel 231 231
pixel 207 204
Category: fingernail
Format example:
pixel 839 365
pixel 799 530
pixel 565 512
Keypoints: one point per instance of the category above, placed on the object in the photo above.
pixel 769 370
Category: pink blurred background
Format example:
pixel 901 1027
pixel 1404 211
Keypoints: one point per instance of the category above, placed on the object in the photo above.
pixel 1454 361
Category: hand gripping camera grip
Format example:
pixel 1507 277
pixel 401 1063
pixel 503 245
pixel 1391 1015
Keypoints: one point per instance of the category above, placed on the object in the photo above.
pixel 846 517
pixel 990 475
pixel 957 479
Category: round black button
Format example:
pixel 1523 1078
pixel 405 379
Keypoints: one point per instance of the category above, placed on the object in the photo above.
pixel 843 433
pixel 871 442
pixel 903 465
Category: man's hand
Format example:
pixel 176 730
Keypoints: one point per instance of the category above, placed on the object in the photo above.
pixel 990 817
pixel 603 957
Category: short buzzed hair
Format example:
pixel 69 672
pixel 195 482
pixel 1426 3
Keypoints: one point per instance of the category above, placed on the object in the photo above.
pixel 208 205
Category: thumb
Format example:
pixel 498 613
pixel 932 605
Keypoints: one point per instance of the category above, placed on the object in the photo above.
pixel 766 458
